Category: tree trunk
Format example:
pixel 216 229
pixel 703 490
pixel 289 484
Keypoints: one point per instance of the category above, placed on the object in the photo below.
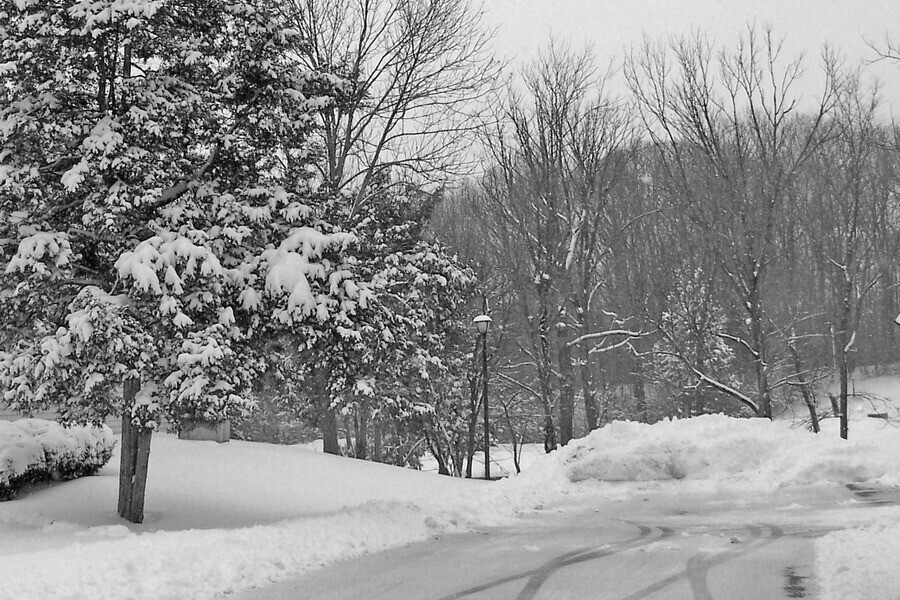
pixel 758 345
pixel 591 409
pixel 134 460
pixel 844 377
pixel 377 442
pixel 808 397
pixel 566 393
pixel 330 444
pixel 349 446
pixel 843 341
pixel 362 432
pixel 640 393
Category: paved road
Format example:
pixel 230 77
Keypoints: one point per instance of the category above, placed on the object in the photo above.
pixel 654 547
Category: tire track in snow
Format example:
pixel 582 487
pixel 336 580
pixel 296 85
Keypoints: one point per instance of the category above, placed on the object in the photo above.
pixel 699 564
pixel 538 576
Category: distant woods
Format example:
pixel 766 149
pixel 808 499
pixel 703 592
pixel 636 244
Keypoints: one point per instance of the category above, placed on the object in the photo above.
pixel 713 241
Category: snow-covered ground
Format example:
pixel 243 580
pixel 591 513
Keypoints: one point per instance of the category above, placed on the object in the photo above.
pixel 226 517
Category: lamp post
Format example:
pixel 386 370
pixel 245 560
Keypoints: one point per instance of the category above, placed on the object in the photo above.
pixel 482 323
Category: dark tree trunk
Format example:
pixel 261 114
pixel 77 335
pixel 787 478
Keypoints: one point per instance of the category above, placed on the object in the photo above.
pixel 758 344
pixel 437 452
pixel 514 440
pixel 329 429
pixel 566 393
pixel 362 432
pixel 377 442
pixel 134 460
pixel 844 372
pixel 591 409
pixel 549 431
pixel 640 395
pixel 349 446
pixel 805 388
pixel 544 365
pixel 549 426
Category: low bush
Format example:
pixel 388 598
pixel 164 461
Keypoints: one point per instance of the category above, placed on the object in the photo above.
pixel 36 449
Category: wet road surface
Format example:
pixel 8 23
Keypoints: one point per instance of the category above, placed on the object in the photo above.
pixel 658 546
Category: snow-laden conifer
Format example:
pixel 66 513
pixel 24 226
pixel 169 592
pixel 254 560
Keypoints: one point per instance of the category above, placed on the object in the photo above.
pixel 155 208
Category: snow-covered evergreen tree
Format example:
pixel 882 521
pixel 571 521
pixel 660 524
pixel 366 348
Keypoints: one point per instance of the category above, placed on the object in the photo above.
pixel 420 330
pixel 390 368
pixel 154 222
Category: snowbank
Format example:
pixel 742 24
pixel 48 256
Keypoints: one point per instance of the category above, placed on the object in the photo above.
pixel 716 451
pixel 860 563
pixel 207 563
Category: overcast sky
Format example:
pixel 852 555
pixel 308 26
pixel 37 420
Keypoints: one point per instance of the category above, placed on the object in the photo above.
pixel 524 26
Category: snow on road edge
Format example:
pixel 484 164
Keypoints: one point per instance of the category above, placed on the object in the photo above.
pixel 860 563
pixel 207 563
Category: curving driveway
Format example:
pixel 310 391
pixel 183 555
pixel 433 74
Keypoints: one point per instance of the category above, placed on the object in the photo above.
pixel 658 545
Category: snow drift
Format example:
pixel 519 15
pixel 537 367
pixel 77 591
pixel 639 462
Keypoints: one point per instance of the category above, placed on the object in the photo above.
pixel 752 454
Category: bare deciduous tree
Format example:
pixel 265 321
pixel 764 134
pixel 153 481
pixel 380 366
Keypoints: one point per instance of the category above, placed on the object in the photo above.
pixel 725 126
pixel 416 73
pixel 557 154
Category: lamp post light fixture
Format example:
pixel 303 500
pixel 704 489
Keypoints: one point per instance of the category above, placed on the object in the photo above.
pixel 482 324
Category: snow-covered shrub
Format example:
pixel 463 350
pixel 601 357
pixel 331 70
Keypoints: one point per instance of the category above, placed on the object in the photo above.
pixel 33 449
pixel 21 457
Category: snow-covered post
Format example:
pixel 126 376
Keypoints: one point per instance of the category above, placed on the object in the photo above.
pixel 482 323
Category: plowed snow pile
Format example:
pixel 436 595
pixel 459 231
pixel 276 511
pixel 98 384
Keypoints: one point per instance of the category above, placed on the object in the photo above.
pixel 738 452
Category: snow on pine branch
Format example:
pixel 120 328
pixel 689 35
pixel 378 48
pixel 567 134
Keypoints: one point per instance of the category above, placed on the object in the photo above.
pixel 40 249
pixel 298 271
pixel 162 255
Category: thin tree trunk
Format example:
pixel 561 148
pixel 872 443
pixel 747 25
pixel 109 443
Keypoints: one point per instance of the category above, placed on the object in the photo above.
pixel 591 409
pixel 377 442
pixel 758 343
pixel 843 341
pixel 805 390
pixel 566 393
pixel 640 397
pixel 349 446
pixel 362 432
pixel 514 440
pixel 544 365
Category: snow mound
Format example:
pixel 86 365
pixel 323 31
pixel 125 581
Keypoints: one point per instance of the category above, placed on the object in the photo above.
pixel 750 453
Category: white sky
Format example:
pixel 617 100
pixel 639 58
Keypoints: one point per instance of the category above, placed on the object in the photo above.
pixel 525 26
